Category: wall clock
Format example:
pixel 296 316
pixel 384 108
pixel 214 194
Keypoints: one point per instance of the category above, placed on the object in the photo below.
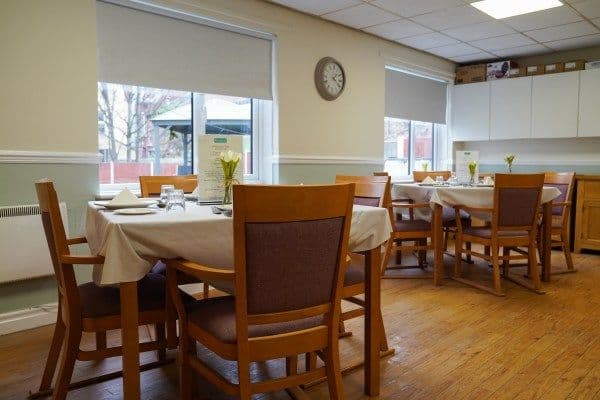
pixel 330 78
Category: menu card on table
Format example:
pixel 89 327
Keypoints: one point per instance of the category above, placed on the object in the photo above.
pixel 463 158
pixel 210 172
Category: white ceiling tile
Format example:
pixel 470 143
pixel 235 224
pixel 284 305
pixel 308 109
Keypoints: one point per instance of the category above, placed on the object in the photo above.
pixel 452 17
pixel 360 16
pixel 543 19
pixel 317 7
pixel 428 41
pixel 589 8
pixel 454 50
pixel 575 43
pixel 410 8
pixel 481 56
pixel 479 31
pixel 523 50
pixel 563 31
pixel 398 29
pixel 502 42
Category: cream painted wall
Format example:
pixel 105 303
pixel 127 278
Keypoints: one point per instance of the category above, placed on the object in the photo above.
pixel 48 79
pixel 351 126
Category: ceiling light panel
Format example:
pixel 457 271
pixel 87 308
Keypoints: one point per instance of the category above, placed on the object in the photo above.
pixel 509 8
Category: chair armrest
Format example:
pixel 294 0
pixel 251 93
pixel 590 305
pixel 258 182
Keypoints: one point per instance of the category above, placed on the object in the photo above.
pixel 403 199
pixel 77 240
pixel 69 259
pixel 473 209
pixel 200 271
pixel 410 205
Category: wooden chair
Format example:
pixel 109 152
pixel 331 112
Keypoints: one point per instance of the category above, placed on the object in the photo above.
pixel 290 247
pixel 373 191
pixel 419 176
pixel 514 224
pixel 150 185
pixel 88 307
pixel 561 214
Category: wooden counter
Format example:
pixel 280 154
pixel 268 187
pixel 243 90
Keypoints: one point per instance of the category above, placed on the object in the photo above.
pixel 587 213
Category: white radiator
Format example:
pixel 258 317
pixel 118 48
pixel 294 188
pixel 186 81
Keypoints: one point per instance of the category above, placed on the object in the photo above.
pixel 23 248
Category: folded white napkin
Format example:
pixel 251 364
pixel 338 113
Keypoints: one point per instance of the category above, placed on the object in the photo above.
pixel 195 192
pixel 428 180
pixel 125 197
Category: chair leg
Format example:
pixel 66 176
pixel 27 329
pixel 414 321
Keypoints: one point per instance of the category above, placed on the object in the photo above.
pixel 334 373
pixel 205 288
pixel 161 338
pixel 399 254
pixel 185 372
pixel 496 270
pixel 567 251
pixel 386 257
pixel 244 380
pixel 446 234
pixel 422 254
pixel 469 258
pixel 100 340
pixel 458 255
pixel 71 348
pixel 505 263
pixel 57 342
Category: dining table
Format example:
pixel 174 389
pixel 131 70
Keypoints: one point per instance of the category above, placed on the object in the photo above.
pixel 130 244
pixel 476 196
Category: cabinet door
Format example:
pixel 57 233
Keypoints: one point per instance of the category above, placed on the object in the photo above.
pixel 554 106
pixel 589 103
pixel 471 112
pixel 510 110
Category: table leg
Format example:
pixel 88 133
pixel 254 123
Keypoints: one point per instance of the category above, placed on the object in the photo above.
pixel 438 248
pixel 130 341
pixel 372 325
pixel 546 257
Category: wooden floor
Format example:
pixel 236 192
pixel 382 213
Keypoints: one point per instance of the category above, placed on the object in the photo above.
pixel 452 342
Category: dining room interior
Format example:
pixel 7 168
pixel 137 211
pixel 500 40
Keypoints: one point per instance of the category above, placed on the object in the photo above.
pixel 307 199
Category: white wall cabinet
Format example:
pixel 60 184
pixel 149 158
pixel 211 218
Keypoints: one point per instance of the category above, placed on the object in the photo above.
pixel 510 110
pixel 554 105
pixel 589 103
pixel 471 112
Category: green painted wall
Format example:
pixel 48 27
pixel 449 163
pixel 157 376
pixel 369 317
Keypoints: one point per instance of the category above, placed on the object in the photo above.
pixel 321 173
pixel 76 184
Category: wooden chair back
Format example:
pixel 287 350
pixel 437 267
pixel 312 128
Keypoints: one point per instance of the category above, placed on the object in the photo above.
pixel 563 181
pixel 419 176
pixel 56 238
pixel 516 201
pixel 290 245
pixel 371 191
pixel 150 185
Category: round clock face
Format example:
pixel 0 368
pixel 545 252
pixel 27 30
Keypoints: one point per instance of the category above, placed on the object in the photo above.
pixel 330 78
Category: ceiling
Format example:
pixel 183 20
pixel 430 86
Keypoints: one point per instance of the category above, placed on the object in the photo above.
pixel 454 30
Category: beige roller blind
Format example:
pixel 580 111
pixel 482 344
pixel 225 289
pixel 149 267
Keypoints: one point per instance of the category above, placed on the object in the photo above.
pixel 413 97
pixel 143 48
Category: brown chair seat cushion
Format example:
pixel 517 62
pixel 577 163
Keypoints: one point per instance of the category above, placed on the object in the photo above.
pixel 101 301
pixel 354 274
pixel 487 232
pixel 449 216
pixel 216 315
pixel 411 226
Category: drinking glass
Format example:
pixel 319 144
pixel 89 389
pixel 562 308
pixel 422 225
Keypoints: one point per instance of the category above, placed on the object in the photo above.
pixel 164 192
pixel 453 179
pixel 176 199
pixel 439 180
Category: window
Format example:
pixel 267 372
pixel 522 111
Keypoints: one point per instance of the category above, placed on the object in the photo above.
pixel 148 131
pixel 409 145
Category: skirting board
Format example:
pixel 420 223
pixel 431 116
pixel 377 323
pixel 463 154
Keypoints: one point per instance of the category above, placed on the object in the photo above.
pixel 28 318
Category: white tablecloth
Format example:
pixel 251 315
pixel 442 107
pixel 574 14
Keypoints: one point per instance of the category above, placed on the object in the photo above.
pixel 131 243
pixel 449 196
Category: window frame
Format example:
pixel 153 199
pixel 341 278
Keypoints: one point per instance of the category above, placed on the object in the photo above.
pixel 411 147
